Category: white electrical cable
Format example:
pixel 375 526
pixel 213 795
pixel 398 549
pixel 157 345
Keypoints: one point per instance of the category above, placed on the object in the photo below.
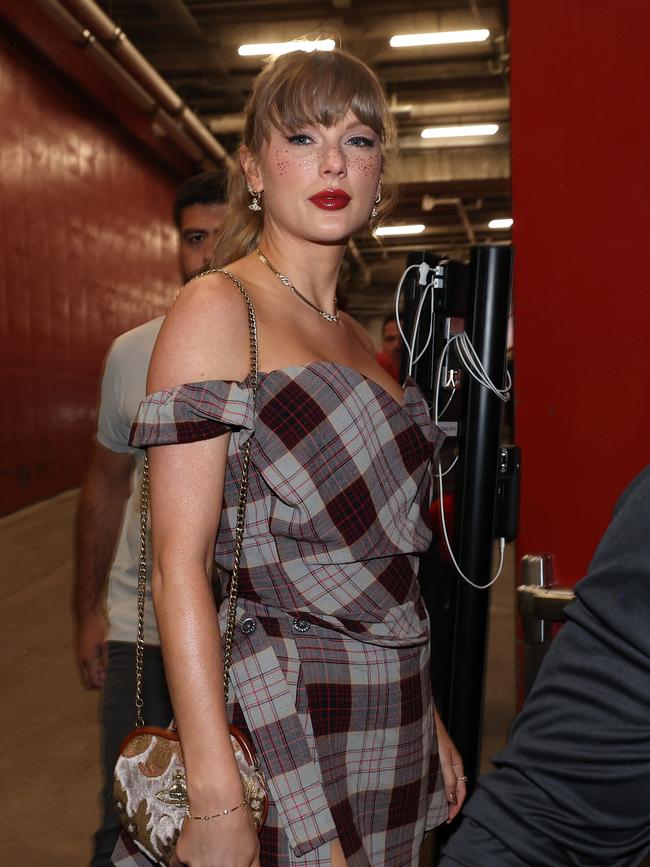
pixel 472 363
pixel 448 404
pixel 416 325
pixel 436 390
pixel 450 467
pixel 398 295
pixel 502 544
pixel 424 269
pixel 438 415
pixel 474 367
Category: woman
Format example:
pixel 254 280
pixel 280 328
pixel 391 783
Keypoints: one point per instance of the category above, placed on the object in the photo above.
pixel 330 664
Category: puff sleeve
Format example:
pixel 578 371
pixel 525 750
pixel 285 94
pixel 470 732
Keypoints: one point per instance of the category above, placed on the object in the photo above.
pixel 194 411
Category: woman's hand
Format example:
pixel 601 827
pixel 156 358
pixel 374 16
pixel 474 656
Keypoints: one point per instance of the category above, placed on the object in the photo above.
pixel 451 765
pixel 228 841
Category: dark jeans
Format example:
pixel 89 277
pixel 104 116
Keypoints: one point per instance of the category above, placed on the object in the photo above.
pixel 117 720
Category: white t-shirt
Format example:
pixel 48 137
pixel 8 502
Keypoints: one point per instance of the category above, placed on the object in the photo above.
pixel 124 386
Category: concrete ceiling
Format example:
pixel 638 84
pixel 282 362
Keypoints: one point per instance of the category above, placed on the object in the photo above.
pixel 453 186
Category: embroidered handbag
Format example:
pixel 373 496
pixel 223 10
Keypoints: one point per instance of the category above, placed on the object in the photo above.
pixel 149 785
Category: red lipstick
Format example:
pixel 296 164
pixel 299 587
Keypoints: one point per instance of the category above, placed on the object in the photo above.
pixel 330 200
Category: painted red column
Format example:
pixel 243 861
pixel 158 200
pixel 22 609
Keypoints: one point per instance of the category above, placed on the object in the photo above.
pixel 581 190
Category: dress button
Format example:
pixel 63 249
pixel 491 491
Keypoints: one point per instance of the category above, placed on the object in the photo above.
pixel 299 625
pixel 248 625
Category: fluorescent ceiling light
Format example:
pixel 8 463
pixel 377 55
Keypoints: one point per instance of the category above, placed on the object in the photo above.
pixel 458 131
pixel 285 47
pixel 415 229
pixel 448 37
pixel 505 223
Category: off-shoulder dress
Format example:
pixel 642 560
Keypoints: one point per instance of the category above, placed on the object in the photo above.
pixel 330 671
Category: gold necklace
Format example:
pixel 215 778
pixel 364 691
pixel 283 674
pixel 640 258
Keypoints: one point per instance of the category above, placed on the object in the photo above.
pixel 331 317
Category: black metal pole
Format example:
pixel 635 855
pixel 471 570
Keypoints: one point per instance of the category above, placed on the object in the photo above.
pixel 487 326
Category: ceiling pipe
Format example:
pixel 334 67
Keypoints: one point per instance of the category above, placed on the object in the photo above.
pixel 448 108
pixel 65 21
pixel 120 59
pixel 117 42
pixel 226 123
pixel 85 39
pixel 234 123
pixel 176 132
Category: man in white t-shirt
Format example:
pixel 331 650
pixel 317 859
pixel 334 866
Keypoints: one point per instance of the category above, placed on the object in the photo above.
pixel 108 520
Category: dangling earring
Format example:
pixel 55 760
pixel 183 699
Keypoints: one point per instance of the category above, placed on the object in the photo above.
pixel 374 211
pixel 255 204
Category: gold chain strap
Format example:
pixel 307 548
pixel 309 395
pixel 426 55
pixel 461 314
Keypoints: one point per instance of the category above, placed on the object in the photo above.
pixel 142 587
pixel 239 532
pixel 243 491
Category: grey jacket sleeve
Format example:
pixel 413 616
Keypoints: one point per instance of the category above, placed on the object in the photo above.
pixel 573 785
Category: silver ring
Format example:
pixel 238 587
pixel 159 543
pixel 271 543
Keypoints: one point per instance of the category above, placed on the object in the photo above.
pixel 462 779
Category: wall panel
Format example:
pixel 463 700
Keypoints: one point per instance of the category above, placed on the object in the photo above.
pixel 581 177
pixel 87 250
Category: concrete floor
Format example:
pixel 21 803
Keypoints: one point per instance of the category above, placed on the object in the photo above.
pixel 49 734
pixel 48 723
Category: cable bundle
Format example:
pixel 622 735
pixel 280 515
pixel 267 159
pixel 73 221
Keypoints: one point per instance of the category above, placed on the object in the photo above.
pixel 472 364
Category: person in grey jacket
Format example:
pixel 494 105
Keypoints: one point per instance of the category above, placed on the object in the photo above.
pixel 572 787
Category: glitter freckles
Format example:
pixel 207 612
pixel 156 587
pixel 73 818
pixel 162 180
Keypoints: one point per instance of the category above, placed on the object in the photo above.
pixel 367 164
pixel 283 162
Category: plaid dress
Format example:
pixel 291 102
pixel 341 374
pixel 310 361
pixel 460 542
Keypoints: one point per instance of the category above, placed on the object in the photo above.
pixel 330 671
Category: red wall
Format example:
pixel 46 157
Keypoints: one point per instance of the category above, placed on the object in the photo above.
pixel 581 172
pixel 87 250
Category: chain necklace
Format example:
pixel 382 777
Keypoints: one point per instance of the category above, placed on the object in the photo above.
pixel 331 317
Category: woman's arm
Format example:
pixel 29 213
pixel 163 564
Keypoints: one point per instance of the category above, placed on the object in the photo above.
pixel 204 337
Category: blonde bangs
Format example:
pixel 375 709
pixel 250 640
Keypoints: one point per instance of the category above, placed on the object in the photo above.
pixel 296 90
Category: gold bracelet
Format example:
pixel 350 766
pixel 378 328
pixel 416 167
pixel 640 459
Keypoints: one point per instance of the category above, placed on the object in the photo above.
pixel 215 815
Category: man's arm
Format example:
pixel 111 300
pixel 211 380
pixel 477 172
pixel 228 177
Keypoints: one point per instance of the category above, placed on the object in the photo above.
pixel 573 784
pixel 99 517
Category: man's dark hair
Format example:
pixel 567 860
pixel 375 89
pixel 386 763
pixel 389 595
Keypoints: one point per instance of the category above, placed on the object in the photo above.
pixel 208 188
pixel 389 317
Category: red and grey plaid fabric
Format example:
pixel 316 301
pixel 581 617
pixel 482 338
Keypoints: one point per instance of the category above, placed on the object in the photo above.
pixel 330 668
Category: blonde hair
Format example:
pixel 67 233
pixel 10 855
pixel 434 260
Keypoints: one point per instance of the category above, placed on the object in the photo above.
pixel 292 91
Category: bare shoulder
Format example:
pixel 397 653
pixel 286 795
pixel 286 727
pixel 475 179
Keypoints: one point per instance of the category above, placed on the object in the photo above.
pixel 205 335
pixel 360 334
